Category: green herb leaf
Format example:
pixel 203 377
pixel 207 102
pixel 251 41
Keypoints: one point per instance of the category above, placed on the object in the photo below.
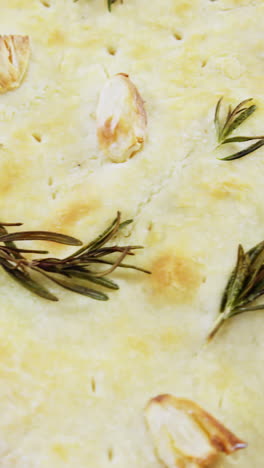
pixel 238 121
pixel 234 118
pixel 123 265
pixel 75 287
pixel 72 272
pixel 40 235
pixel 11 224
pixel 106 235
pixel 17 250
pixel 232 113
pixel 29 283
pixel 244 287
pixel 244 152
pixel 85 275
pixel 249 309
pixel 241 273
pixel 217 119
pixel 239 139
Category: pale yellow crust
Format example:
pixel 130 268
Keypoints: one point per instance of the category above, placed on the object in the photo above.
pixel 75 376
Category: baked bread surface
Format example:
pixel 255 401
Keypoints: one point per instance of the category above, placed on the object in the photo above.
pixel 75 375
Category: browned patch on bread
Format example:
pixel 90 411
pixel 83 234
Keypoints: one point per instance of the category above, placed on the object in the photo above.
pixel 75 212
pixel 175 276
pixel 65 221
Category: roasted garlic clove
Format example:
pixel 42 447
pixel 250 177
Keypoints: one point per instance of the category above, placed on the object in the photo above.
pixel 121 119
pixel 185 435
pixel 14 58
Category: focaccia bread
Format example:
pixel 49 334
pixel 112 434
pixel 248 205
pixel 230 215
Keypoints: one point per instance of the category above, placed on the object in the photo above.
pixel 76 375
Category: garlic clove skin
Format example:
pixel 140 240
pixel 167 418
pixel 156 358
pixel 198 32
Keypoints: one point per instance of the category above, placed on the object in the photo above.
pixel 185 435
pixel 121 119
pixel 14 59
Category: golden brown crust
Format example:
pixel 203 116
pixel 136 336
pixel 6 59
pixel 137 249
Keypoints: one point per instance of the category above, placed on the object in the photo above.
pixel 177 276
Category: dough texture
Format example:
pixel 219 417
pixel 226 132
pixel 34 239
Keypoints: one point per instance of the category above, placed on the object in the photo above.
pixel 76 375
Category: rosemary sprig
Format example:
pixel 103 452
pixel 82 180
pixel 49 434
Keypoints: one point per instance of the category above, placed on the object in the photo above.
pixel 244 287
pixel 234 118
pixel 77 272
